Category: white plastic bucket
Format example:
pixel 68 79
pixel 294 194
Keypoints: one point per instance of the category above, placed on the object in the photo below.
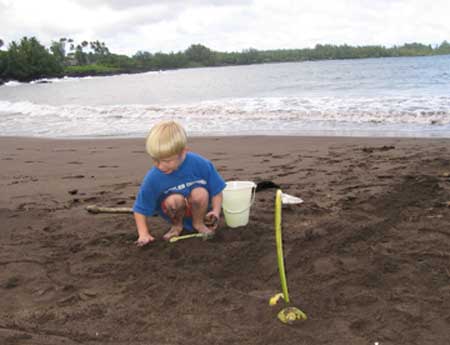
pixel 238 197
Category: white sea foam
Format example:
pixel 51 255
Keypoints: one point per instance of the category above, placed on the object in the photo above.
pixel 274 115
pixel 54 80
pixel 12 83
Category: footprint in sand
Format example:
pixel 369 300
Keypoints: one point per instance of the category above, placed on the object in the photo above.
pixel 280 156
pixel 10 283
pixel 72 177
pixel 64 150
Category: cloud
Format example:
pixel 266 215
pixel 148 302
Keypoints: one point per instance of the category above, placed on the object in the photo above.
pixel 120 4
pixel 169 26
pixel 226 25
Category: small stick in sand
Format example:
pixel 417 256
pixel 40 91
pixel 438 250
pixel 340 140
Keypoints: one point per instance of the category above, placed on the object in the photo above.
pixel 98 209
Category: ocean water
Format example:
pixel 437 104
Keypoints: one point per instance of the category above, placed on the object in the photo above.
pixel 403 97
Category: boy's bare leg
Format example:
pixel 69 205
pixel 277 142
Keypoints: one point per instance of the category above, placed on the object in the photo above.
pixel 176 206
pixel 199 200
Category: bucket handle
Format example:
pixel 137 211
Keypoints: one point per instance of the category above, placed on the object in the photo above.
pixel 245 209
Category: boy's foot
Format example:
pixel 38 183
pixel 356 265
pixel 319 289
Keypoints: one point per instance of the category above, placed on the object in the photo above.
pixel 174 231
pixel 205 231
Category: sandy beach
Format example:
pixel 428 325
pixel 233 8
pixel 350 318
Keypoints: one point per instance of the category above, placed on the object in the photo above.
pixel 367 254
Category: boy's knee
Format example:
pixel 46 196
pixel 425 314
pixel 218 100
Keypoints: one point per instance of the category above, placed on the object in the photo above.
pixel 174 203
pixel 198 196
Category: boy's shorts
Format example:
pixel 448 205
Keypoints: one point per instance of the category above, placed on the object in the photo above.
pixel 187 211
pixel 187 218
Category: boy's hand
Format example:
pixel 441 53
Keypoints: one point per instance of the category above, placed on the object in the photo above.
pixel 212 220
pixel 144 240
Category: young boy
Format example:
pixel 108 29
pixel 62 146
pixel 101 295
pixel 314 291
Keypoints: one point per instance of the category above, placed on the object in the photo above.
pixel 182 187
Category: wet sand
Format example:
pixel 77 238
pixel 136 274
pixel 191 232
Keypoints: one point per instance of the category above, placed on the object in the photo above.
pixel 367 254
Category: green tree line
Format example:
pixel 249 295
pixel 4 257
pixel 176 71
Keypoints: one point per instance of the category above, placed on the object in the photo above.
pixel 30 60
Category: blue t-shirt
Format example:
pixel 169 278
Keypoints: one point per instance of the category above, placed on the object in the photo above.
pixel 194 171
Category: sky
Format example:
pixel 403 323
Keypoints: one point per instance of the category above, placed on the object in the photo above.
pixel 128 26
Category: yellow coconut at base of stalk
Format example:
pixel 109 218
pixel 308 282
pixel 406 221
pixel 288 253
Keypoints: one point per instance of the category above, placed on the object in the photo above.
pixel 291 314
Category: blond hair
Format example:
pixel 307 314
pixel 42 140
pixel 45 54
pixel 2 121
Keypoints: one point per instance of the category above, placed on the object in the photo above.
pixel 166 138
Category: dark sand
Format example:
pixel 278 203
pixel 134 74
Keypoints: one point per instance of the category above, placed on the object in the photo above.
pixel 367 254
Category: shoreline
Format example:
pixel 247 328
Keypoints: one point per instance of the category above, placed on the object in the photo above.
pixel 235 136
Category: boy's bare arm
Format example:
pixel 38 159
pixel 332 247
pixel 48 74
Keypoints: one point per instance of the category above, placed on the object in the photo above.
pixel 144 235
pixel 216 206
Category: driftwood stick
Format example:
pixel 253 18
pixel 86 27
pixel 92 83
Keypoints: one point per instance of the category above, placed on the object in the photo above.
pixel 211 221
pixel 98 209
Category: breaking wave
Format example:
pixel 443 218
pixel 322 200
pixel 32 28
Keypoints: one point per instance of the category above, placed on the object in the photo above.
pixel 398 116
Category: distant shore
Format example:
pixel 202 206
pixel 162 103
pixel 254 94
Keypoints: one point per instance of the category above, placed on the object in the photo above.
pixel 101 70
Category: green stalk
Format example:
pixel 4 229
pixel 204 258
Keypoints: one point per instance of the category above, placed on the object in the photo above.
pixel 279 241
